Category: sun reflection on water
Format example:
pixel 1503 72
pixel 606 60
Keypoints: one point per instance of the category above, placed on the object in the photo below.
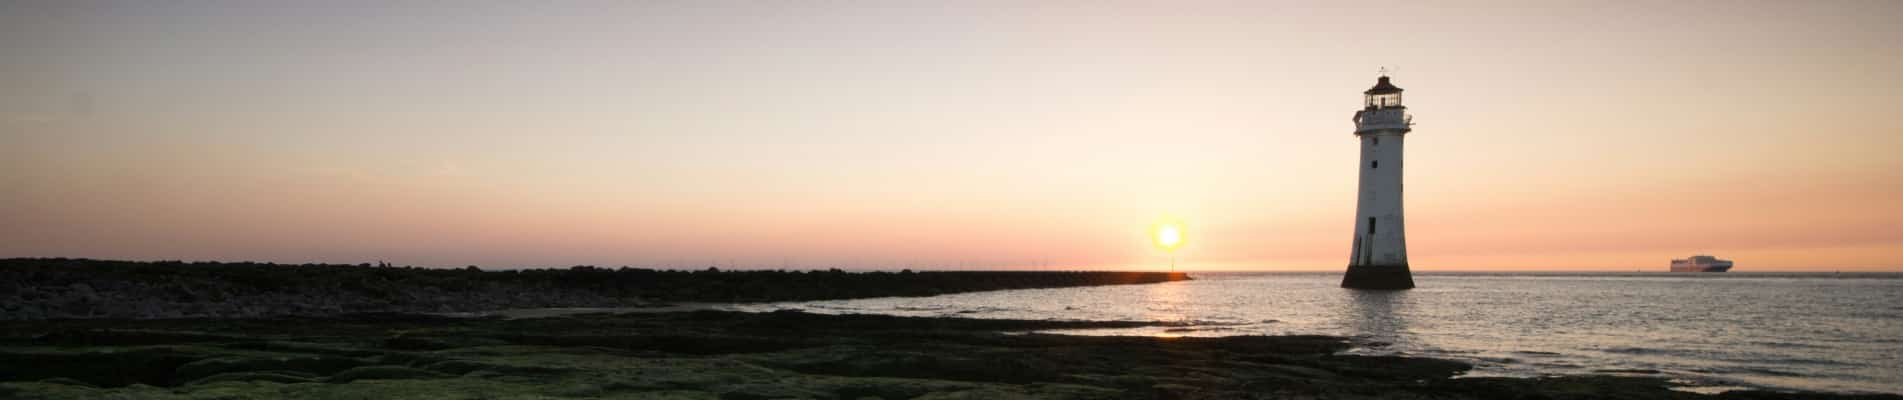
pixel 1165 302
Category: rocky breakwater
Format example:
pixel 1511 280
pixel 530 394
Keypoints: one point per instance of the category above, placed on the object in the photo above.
pixel 38 289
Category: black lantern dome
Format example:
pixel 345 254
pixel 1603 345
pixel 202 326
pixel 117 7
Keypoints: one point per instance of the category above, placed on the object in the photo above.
pixel 1383 95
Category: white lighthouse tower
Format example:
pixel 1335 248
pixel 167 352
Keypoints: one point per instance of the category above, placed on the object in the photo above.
pixel 1379 260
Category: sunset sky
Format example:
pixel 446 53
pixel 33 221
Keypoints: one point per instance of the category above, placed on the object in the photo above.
pixel 947 134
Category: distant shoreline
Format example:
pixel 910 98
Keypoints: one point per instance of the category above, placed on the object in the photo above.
pixel 59 288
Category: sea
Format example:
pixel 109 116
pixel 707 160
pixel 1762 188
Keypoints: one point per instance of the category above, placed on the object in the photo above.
pixel 1706 332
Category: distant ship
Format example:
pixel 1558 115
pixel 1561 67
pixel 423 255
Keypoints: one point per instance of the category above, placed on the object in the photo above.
pixel 1701 263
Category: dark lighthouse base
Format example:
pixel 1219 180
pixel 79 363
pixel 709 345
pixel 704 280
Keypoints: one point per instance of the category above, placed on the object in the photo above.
pixel 1374 277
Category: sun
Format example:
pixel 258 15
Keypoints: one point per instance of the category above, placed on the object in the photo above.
pixel 1168 235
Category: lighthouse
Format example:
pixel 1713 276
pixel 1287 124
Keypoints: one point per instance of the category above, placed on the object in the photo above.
pixel 1379 260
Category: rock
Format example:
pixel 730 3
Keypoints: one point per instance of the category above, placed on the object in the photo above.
pixel 1626 371
pixel 313 365
pixel 979 394
pixel 577 390
pixel 259 376
pixel 382 372
pixel 1173 391
pixel 770 392
pixel 84 292
pixel 456 367
pixel 68 381
pixel 815 357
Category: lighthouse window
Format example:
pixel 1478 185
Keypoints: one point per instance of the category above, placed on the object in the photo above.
pixel 1377 140
pixel 1370 225
pixel 1377 164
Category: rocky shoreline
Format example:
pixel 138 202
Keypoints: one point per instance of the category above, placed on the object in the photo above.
pixel 730 355
pixel 58 288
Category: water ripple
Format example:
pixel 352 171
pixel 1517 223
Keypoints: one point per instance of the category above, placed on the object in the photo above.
pixel 1780 331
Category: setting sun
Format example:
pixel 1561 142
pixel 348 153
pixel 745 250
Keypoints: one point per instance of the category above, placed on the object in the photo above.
pixel 1169 235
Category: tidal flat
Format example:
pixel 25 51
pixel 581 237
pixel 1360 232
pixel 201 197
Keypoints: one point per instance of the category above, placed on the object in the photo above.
pixel 730 355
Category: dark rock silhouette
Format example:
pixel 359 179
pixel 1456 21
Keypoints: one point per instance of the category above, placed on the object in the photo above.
pixel 34 289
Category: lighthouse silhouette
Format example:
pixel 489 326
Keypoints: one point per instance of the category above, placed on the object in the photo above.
pixel 1379 260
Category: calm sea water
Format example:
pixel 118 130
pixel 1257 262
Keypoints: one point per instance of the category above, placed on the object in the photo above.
pixel 1827 332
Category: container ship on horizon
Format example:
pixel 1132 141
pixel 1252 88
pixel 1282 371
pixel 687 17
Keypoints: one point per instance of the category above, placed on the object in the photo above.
pixel 1701 263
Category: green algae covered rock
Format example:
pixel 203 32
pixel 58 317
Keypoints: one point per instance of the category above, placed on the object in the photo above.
pixel 771 391
pixel 383 372
pixel 318 365
pixel 254 376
